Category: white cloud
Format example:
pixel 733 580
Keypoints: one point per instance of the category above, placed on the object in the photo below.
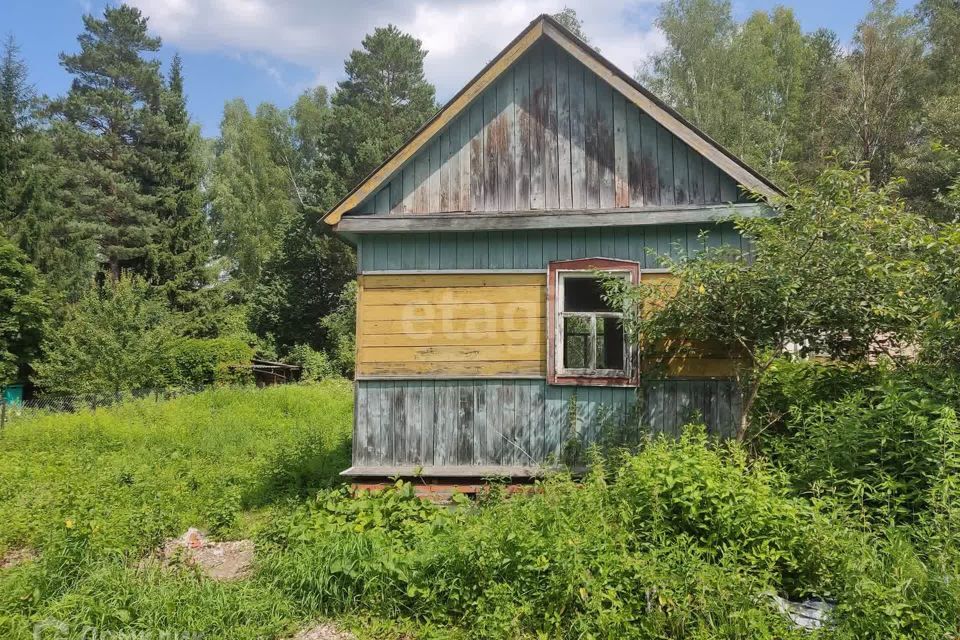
pixel 460 36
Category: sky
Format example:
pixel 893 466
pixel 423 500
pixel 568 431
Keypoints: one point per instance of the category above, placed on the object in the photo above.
pixel 272 50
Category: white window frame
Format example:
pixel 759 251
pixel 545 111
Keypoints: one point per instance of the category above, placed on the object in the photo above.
pixel 559 332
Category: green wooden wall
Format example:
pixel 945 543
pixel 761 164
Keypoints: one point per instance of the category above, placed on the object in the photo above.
pixel 521 422
pixel 534 249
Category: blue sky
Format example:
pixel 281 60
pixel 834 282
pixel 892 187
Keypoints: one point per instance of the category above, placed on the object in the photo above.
pixel 271 50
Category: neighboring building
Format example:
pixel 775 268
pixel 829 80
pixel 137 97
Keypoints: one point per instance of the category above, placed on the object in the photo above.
pixel 483 347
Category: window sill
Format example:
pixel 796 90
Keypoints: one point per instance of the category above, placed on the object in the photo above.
pixel 582 380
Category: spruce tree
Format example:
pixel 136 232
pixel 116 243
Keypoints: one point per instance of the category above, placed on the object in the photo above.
pixel 116 91
pixel 179 260
pixel 31 173
pixel 16 96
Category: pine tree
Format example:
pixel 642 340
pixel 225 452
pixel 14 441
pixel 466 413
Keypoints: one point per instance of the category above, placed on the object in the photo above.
pixel 115 93
pixel 180 257
pixel 383 101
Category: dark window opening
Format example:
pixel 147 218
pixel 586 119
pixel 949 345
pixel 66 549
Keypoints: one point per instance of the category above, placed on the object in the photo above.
pixel 592 333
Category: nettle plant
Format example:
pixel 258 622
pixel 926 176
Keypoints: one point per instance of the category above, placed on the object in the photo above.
pixel 834 272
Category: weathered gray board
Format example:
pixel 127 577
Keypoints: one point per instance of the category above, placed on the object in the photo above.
pixel 521 423
pixel 535 248
pixel 550 134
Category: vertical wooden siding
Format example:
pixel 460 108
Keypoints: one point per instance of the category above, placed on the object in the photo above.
pixel 534 249
pixel 550 134
pixel 521 422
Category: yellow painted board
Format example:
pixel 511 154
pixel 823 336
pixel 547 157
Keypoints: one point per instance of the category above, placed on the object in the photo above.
pixel 452 369
pixel 453 311
pixel 438 326
pixel 702 367
pixel 658 277
pixel 406 281
pixel 451 338
pixel 455 295
pixel 497 353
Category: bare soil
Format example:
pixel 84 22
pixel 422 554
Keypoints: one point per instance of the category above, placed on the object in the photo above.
pixel 324 631
pixel 221 561
pixel 15 557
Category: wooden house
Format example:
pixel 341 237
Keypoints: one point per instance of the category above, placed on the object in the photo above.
pixel 483 347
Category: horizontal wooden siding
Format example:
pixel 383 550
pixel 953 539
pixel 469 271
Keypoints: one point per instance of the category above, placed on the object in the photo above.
pixel 451 325
pixel 534 249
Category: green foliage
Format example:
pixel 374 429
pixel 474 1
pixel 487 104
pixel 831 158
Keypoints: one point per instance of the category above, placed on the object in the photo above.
pixel 569 19
pixel 23 311
pixel 940 280
pixel 302 284
pixel 315 364
pixel 249 192
pixel 787 100
pixel 202 362
pixel 95 491
pixel 341 326
pixel 682 540
pixel 178 261
pixel 117 337
pixel 754 86
pixel 383 101
pixel 100 129
pixel 16 96
pixel 837 272
pixel 30 177
pixel 885 448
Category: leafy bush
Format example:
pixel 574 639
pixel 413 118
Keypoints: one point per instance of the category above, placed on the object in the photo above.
pixel 315 365
pixel 792 386
pixel 115 338
pixel 341 330
pixel 883 450
pixel 681 540
pixel 201 362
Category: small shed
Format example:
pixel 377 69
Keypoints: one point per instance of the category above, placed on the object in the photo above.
pixel 268 372
pixel 483 345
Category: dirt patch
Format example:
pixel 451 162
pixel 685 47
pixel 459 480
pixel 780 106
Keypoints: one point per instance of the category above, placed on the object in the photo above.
pixel 223 561
pixel 324 631
pixel 15 557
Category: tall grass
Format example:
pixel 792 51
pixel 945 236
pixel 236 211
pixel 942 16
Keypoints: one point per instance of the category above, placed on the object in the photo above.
pixel 677 540
pixel 93 492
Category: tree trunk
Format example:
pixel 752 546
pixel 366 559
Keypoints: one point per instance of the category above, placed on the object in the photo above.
pixel 749 398
pixel 114 270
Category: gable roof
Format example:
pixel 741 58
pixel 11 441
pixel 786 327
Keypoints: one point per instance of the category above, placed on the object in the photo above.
pixel 545 27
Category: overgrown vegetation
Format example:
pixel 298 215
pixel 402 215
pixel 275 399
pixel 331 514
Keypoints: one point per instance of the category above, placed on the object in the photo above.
pixel 841 271
pixel 850 496
pixel 91 493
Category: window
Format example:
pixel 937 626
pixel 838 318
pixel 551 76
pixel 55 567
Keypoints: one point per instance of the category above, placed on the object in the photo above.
pixel 587 344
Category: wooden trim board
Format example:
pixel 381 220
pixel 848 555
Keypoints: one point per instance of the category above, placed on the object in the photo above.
pixel 548 220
